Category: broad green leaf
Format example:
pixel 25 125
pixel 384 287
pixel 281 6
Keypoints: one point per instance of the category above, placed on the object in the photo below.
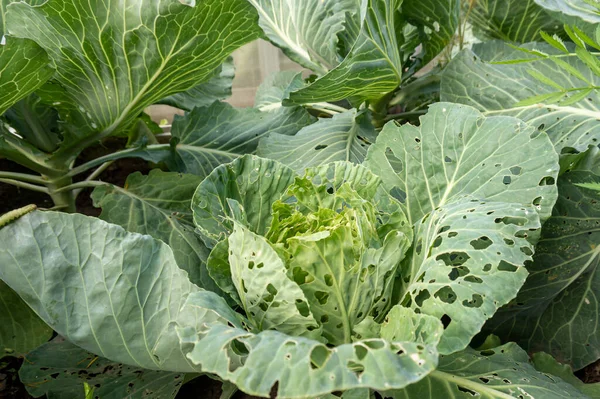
pixel 216 89
pixel 499 373
pixel 119 295
pixel 498 89
pixel 306 30
pixel 457 151
pixel 545 363
pixel 24 67
pixel 21 330
pixel 59 369
pixel 253 182
pixel 463 275
pixel 271 300
pixel 134 53
pixel 345 137
pixel 583 9
pixel 208 137
pixel 520 21
pixel 159 205
pixel 403 324
pixel 436 20
pixel 373 67
pixel 306 368
pixel 277 88
pixel 557 309
pixel 35 122
pixel 219 270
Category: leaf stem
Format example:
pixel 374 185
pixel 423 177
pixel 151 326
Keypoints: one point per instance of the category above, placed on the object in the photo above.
pixel 327 108
pixel 81 185
pixel 93 176
pixel 131 152
pixel 27 186
pixel 23 177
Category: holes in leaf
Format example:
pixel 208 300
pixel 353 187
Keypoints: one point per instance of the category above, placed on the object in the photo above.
pixel 452 234
pixel 437 242
pixel 355 367
pixel 446 320
pixel 473 279
pixel 457 272
pixel 507 267
pixel 302 308
pixel 527 251
pixel 517 221
pixel 240 350
pixel 328 280
pixel 322 297
pixel 481 243
pixel 448 159
pixel 319 355
pixel 324 319
pixel 394 162
pixel 271 289
pixel 547 181
pixel 320 147
pixel 509 242
pixel 330 190
pixel 422 297
pixel 374 345
pixel 446 295
pixel 507 180
pixel 251 265
pixel 516 170
pixel 454 258
pixel 467 390
pixel 484 380
pixel 419 246
pixel 360 352
pixel 487 267
pixel 475 302
pixel 260 265
pixel 300 276
pixel 537 202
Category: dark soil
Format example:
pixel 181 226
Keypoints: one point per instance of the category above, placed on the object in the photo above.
pixel 590 374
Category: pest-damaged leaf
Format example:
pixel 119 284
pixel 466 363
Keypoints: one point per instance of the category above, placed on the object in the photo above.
pixel 21 330
pixel 159 205
pixel 345 137
pixel 59 369
pixel 457 151
pixel 557 309
pixel 500 373
pixel 570 121
pixel 134 53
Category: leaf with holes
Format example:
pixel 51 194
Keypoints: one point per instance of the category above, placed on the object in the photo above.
pixel 457 151
pixel 345 137
pixel 474 79
pixel 556 311
pixel 500 373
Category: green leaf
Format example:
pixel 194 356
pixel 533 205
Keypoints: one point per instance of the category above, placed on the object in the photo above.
pixel 208 137
pixel 555 41
pixel 306 30
pixel 270 299
pixel 463 275
pixel 254 182
pixel 500 373
pixel 171 46
pixel 59 369
pixel 21 330
pixel 452 154
pixel 4 4
pixel 373 67
pixel 116 294
pixel 24 67
pixel 497 90
pixel 556 311
pixel 436 20
pixel 520 21
pixel 403 324
pixel 545 363
pixel 582 9
pixel 276 88
pixel 345 137
pixel 203 95
pixel 544 79
pixel 159 205
pixel 306 368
